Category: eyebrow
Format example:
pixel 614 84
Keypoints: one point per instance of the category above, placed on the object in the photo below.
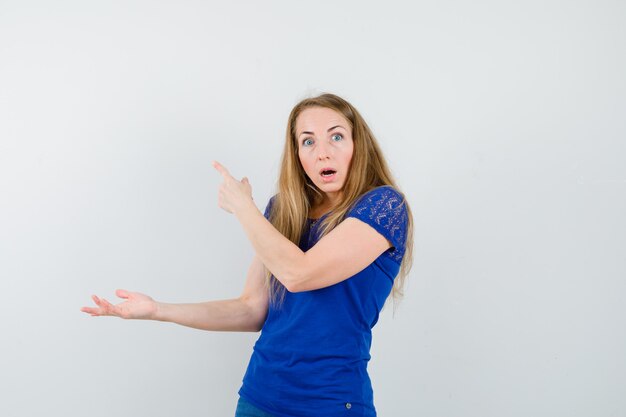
pixel 311 133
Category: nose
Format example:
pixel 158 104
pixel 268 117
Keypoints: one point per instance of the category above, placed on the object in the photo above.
pixel 323 151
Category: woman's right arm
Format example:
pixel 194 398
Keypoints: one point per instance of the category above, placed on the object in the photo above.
pixel 246 313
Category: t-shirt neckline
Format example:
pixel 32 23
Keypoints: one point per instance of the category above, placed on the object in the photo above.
pixel 318 219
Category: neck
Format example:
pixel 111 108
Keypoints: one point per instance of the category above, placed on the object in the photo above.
pixel 330 200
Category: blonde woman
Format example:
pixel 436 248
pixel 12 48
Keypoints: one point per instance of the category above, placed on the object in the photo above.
pixel 334 242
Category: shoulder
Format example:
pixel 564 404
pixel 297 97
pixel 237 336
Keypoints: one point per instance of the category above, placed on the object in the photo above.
pixel 384 208
pixel 386 190
pixel 384 205
pixel 384 196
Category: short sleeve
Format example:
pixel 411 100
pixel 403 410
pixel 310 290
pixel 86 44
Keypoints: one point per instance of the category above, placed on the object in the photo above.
pixel 268 208
pixel 384 209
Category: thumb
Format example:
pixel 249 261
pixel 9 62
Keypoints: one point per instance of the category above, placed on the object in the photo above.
pixel 122 293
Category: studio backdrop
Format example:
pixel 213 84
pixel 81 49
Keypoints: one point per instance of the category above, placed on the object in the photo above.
pixel 502 122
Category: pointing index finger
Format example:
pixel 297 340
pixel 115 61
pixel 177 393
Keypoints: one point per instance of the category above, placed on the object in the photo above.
pixel 221 169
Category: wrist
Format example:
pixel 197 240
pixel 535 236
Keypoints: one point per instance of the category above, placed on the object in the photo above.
pixel 159 313
pixel 246 207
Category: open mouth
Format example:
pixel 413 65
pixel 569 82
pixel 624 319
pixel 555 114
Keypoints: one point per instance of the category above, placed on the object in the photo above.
pixel 328 173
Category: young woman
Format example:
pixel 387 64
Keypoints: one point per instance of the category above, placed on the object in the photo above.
pixel 333 243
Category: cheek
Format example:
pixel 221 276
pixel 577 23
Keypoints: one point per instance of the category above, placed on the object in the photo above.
pixel 304 162
pixel 348 154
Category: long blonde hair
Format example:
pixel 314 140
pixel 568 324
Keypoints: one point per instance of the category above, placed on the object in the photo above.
pixel 297 194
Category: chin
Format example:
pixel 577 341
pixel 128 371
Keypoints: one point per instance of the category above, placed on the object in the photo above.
pixel 330 187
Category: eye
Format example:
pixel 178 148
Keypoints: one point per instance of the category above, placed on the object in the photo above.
pixel 307 141
pixel 337 135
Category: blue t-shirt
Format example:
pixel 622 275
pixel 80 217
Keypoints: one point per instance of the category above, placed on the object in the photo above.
pixel 311 357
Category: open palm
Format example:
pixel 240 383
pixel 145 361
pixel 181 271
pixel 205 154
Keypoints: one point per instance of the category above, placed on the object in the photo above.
pixel 136 306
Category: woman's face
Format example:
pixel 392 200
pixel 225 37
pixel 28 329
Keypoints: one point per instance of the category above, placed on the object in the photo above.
pixel 324 143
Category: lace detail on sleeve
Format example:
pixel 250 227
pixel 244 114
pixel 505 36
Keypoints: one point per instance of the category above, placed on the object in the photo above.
pixel 383 208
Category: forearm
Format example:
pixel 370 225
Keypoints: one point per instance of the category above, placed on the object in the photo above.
pixel 220 315
pixel 281 256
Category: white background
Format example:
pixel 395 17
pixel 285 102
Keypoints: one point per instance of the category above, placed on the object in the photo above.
pixel 503 122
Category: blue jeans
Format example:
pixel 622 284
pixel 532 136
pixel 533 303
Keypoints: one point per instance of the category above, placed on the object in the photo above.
pixel 245 409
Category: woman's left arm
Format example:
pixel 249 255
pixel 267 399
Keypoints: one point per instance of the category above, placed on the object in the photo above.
pixel 346 250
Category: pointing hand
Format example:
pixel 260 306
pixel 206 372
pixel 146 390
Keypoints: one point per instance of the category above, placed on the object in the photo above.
pixel 233 194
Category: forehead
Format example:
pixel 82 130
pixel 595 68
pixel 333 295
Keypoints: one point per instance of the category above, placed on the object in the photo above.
pixel 316 119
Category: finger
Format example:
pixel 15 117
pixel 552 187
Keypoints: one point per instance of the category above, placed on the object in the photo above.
pixel 100 302
pixel 221 169
pixel 122 293
pixel 244 180
pixel 107 308
pixel 105 303
pixel 94 311
pixel 91 310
